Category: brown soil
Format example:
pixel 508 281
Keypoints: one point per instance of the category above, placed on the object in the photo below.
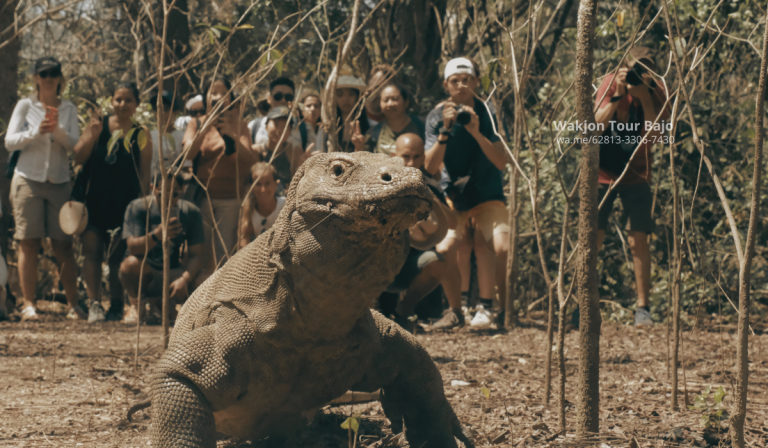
pixel 69 384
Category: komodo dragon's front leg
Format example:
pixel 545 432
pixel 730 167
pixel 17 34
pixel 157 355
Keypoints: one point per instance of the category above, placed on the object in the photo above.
pixel 412 390
pixel 181 416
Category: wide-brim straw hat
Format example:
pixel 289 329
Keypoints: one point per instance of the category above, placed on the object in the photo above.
pixel 351 82
pixel 426 234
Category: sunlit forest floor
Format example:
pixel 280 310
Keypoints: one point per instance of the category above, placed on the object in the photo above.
pixel 70 384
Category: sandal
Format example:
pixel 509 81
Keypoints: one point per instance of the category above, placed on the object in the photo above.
pixel 29 313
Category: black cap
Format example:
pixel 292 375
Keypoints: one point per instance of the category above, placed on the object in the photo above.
pixel 45 63
pixel 278 112
pixel 168 99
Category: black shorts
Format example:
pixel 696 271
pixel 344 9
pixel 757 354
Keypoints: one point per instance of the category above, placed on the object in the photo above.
pixel 415 263
pixel 636 199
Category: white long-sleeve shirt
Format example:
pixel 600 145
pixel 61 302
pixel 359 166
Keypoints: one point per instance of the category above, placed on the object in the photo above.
pixel 44 157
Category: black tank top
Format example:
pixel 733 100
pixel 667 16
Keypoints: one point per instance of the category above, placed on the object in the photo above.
pixel 114 180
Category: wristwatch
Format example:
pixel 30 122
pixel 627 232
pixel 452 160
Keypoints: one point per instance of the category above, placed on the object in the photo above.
pixel 444 131
pixel 616 98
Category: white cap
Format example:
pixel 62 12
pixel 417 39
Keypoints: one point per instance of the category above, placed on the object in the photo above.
pixel 459 65
pixel 191 102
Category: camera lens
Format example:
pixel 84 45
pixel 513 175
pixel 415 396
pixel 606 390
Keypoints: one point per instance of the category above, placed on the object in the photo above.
pixel 463 117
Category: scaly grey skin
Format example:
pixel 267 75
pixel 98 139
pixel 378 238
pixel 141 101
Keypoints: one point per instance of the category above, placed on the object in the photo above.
pixel 285 326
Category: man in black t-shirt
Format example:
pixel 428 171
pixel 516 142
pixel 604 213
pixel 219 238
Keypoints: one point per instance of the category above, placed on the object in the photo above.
pixel 185 226
pixel 460 136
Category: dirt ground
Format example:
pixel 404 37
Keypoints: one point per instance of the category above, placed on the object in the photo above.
pixel 69 384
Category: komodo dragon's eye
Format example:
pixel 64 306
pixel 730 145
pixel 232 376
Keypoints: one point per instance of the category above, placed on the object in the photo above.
pixel 337 169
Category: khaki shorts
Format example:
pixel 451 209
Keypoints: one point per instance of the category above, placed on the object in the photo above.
pixel 226 213
pixel 36 207
pixel 490 218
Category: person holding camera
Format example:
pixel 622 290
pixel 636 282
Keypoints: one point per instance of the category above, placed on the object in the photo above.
pixel 630 104
pixel 460 135
pixel 219 144
pixel 185 227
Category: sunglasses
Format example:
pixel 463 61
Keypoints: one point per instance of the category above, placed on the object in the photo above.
pixel 279 96
pixel 52 72
pixel 197 112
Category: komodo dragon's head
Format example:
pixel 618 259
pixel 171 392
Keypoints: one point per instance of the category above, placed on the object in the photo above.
pixel 367 192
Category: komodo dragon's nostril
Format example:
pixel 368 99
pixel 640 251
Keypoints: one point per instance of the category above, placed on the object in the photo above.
pixel 386 177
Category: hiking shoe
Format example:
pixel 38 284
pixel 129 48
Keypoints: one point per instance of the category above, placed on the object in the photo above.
pixel 451 319
pixel 114 314
pixel 482 317
pixel 96 312
pixel 29 313
pixel 643 318
pixel 131 317
pixel 76 313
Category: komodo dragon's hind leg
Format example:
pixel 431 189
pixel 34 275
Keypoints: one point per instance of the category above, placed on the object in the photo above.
pixel 413 389
pixel 181 416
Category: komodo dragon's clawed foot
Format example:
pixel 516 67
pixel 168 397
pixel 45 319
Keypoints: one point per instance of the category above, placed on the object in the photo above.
pixel 181 416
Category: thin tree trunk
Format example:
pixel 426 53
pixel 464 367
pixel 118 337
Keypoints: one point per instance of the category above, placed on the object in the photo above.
pixel 742 354
pixel 586 277
pixel 675 266
pixel 9 69
pixel 328 111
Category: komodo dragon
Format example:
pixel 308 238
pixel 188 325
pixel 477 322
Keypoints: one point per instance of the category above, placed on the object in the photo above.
pixel 286 326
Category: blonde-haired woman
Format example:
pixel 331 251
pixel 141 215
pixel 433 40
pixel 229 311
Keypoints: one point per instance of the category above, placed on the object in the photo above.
pixel 42 131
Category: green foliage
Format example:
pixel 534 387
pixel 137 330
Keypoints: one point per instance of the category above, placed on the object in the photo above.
pixel 352 423
pixel 712 414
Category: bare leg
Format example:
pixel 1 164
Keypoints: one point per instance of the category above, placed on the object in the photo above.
pixel 486 266
pixel 422 285
pixel 641 259
pixel 28 253
pixel 65 260
pixel 93 252
pixel 452 278
pixel 464 259
pixel 501 248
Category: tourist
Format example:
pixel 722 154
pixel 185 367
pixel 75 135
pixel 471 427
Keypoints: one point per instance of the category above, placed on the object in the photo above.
pixel 222 153
pixel 379 76
pixel 172 137
pixel 42 131
pixel 193 108
pixel 460 136
pixel 311 129
pixel 424 267
pixel 352 120
pixel 114 174
pixel 262 205
pixel 144 239
pixel 277 151
pixel 394 105
pixel 282 92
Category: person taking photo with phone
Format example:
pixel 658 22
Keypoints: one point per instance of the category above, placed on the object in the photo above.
pixel 219 144
pixel 41 133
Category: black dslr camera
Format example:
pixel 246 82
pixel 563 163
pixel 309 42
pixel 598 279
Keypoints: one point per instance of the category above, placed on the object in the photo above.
pixel 635 76
pixel 462 117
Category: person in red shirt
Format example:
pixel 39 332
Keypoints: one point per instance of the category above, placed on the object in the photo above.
pixel 631 104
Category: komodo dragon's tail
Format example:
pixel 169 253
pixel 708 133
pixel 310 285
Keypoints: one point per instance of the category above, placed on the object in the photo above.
pixel 137 407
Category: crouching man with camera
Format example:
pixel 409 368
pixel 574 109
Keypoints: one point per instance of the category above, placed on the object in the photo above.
pixel 633 99
pixel 460 137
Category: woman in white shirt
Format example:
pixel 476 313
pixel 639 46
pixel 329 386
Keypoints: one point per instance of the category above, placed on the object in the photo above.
pixel 43 128
pixel 262 204
pixel 172 137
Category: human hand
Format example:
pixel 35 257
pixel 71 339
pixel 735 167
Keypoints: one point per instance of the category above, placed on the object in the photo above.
pixel 642 91
pixel 50 121
pixel 449 114
pixel 95 125
pixel 224 125
pixel 174 228
pixel 473 127
pixel 178 288
pixel 621 82
pixel 358 139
